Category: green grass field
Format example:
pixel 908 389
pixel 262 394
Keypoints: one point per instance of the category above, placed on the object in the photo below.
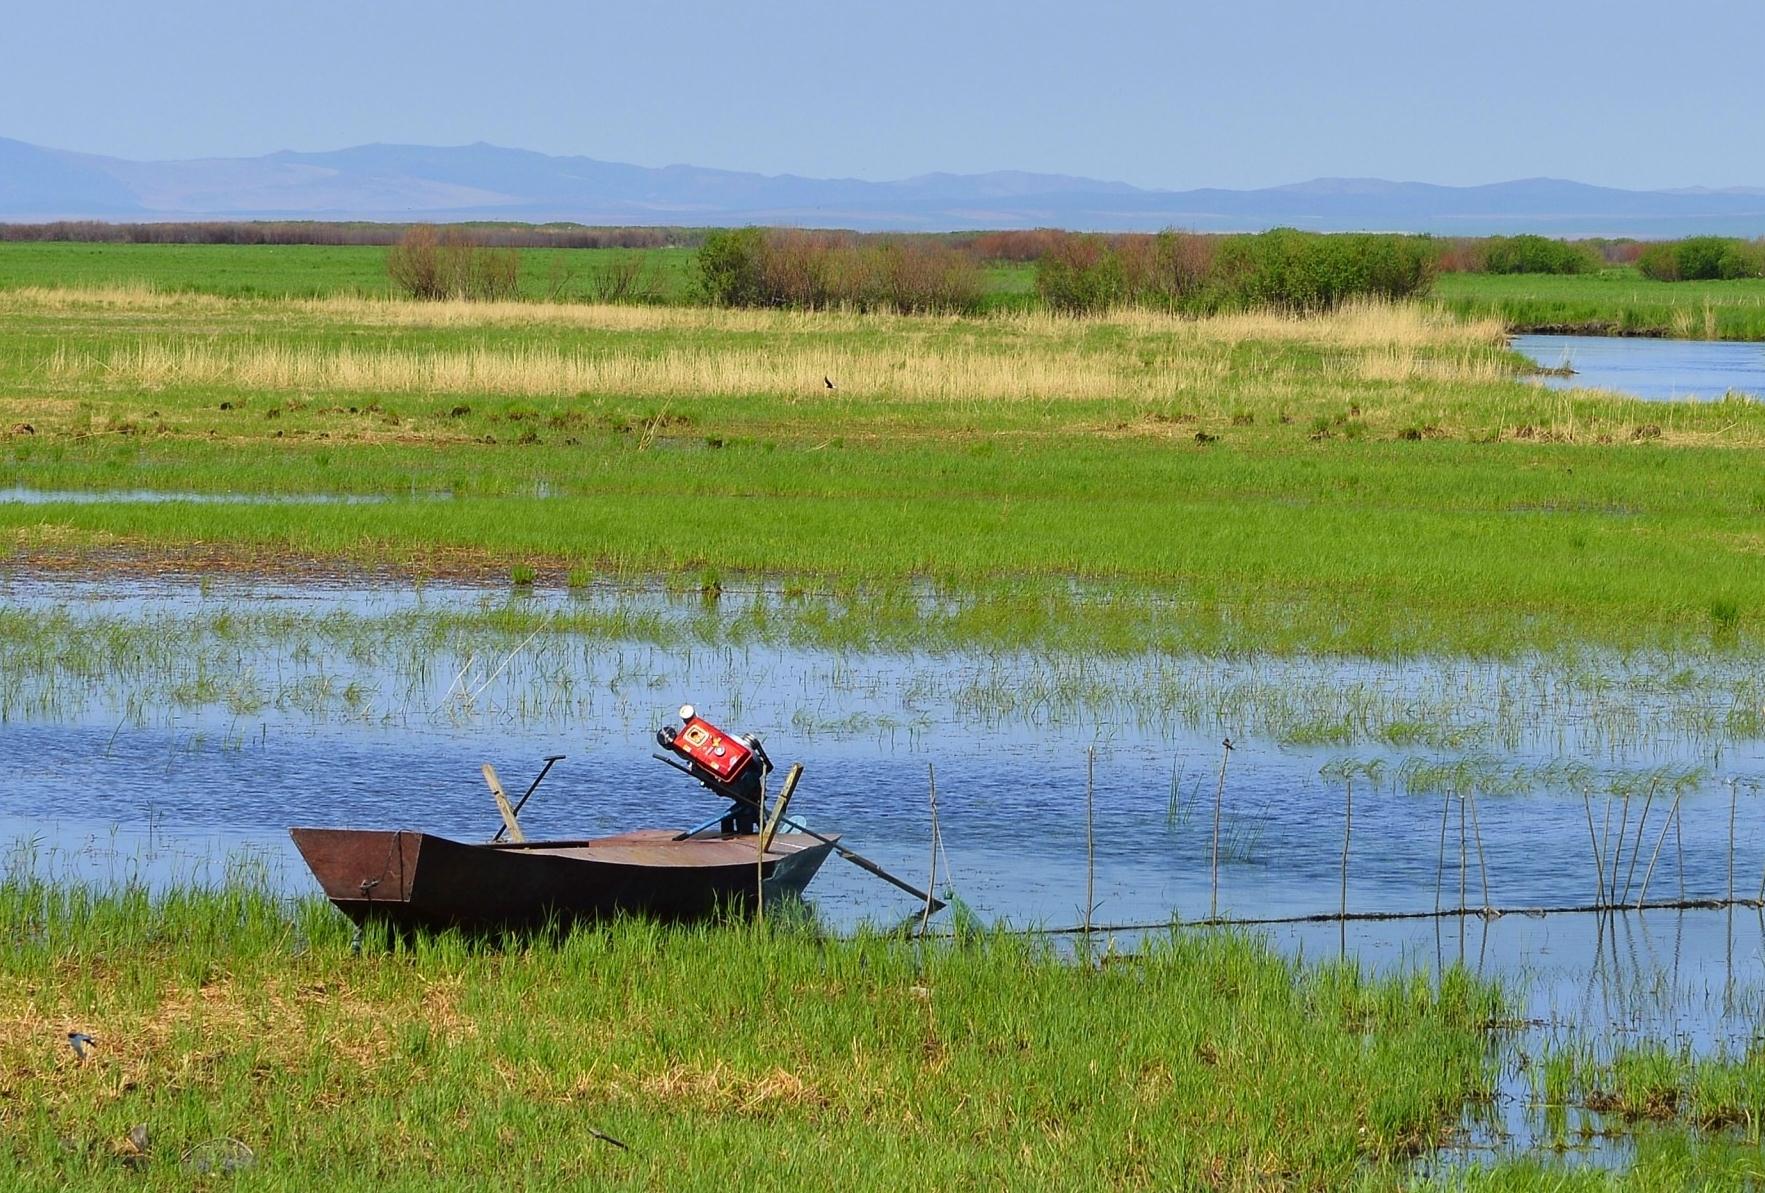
pixel 1377 481
pixel 313 271
pixel 229 1024
pixel 1614 302
pixel 720 1056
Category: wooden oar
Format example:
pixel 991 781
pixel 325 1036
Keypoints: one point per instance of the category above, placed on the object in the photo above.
pixel 502 805
pixel 857 859
pixel 783 802
pixel 550 761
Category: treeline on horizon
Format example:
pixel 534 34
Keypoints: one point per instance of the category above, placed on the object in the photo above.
pixel 917 271
pixel 331 233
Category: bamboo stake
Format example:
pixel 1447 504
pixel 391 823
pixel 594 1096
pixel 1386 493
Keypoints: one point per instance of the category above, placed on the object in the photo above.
pixel 1679 850
pixel 1671 813
pixel 1761 876
pixel 1347 832
pixel 1090 840
pixel 1618 854
pixel 1636 846
pixel 1213 905
pixel 1599 865
pixel 1440 860
pixel 931 884
pixel 1477 831
pixel 1606 840
pixel 1733 802
pixel 1464 854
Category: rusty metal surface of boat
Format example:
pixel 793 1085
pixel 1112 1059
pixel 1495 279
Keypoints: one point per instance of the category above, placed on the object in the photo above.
pixel 413 879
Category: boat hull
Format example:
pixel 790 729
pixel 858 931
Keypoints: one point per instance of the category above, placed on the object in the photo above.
pixel 412 879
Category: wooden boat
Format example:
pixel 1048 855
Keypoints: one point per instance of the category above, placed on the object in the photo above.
pixel 413 879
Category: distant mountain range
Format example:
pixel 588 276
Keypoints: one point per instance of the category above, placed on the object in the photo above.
pixel 404 182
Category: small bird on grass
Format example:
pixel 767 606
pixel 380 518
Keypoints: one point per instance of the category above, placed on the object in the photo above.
pixel 81 1043
pixel 828 381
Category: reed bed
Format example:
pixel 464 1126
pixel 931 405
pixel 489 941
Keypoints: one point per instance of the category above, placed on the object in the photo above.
pixel 936 375
pixel 820 666
pixel 1019 355
pixel 1361 324
pixel 773 1057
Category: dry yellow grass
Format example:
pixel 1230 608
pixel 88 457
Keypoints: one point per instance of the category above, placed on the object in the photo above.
pixel 1405 363
pixel 944 374
pixel 1357 325
pixel 124 296
pixel 1034 356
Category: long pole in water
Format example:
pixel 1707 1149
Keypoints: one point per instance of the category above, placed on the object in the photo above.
pixel 1347 832
pixel 931 882
pixel 857 859
pixel 1219 794
pixel 1090 838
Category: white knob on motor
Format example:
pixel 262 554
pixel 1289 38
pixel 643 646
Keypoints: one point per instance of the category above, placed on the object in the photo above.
pixel 687 712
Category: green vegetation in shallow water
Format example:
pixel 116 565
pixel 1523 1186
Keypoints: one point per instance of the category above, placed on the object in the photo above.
pixel 1612 302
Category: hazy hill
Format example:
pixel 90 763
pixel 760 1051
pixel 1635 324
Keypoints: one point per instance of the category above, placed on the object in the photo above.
pixel 489 182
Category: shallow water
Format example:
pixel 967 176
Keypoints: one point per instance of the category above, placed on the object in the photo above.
pixel 1660 370
pixel 247 736
pixel 123 776
pixel 19 495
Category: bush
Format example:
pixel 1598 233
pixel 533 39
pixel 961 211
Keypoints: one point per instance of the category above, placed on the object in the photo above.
pixel 793 268
pixel 1081 273
pixel 1702 258
pixel 1308 271
pixel 1018 245
pixel 435 265
pixel 1535 254
pixel 1302 271
pixel 729 267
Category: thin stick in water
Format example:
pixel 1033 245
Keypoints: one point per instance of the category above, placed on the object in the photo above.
pixel 1733 801
pixel 1477 830
pixel 931 884
pixel 1672 813
pixel 1090 839
pixel 1213 904
pixel 1679 849
pixel 1464 852
pixel 1599 865
pixel 1440 860
pixel 1347 832
pixel 1636 846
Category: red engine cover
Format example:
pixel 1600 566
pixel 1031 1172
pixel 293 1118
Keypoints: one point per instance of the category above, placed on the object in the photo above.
pixel 712 749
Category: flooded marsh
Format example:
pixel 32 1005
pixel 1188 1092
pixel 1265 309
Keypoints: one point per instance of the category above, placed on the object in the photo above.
pixel 1332 624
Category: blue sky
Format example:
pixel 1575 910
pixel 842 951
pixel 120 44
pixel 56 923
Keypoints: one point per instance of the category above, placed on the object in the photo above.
pixel 1235 93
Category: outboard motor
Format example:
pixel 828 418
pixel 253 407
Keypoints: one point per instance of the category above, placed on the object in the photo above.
pixel 729 765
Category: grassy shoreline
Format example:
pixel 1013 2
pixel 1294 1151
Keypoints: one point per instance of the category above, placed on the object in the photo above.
pixel 1613 303
pixel 770 1057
